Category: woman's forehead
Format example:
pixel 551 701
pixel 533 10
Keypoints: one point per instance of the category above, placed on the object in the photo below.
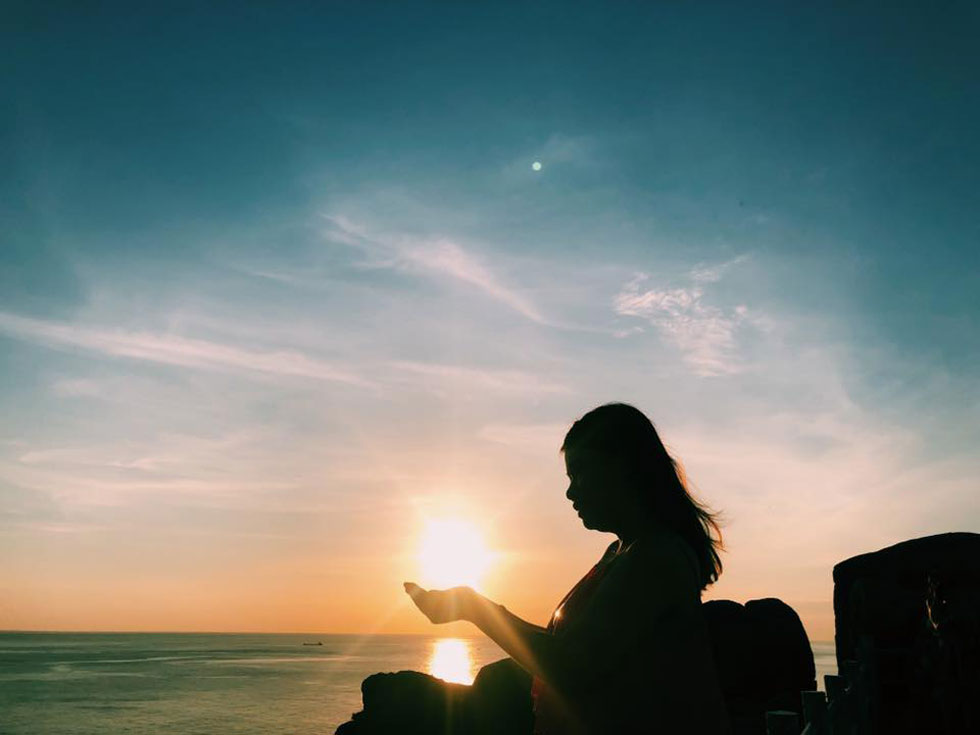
pixel 579 458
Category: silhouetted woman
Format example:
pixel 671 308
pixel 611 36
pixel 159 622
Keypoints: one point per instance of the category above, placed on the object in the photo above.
pixel 626 650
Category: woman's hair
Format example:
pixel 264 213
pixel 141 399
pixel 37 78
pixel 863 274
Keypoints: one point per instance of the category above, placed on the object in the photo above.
pixel 620 430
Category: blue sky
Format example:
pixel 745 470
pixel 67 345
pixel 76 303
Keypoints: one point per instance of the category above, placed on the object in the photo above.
pixel 275 282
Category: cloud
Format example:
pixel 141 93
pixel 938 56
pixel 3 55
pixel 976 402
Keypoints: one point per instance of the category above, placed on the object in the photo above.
pixel 504 381
pixel 91 483
pixel 702 273
pixel 170 349
pixel 532 438
pixel 438 257
pixel 62 528
pixel 704 334
pixel 824 487
pixel 77 388
pixel 231 469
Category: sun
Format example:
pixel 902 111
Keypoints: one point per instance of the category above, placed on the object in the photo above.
pixel 452 552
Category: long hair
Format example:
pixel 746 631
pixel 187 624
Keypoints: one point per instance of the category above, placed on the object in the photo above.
pixel 622 431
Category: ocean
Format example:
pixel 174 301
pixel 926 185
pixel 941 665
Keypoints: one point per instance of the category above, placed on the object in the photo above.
pixel 240 684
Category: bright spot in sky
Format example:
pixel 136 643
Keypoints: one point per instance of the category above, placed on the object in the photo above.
pixel 536 165
pixel 451 661
pixel 452 553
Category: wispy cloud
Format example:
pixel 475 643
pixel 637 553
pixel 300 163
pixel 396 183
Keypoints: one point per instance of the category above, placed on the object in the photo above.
pixel 234 469
pixel 486 379
pixel 93 484
pixel 704 334
pixel 532 438
pixel 438 257
pixel 704 273
pixel 77 388
pixel 170 349
pixel 816 486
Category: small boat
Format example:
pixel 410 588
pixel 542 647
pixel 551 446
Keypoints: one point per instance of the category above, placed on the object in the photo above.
pixel 318 643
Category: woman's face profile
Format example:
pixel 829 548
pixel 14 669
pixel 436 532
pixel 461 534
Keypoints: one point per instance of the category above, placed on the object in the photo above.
pixel 593 488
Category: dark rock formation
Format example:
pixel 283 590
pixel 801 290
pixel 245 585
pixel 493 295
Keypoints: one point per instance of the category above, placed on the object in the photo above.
pixel 763 658
pixel 407 702
pixel 910 614
pixel 411 703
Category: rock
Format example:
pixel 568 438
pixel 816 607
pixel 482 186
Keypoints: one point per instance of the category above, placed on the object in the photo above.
pixel 406 702
pixel 784 654
pixel 763 658
pixel 412 703
pixel 910 614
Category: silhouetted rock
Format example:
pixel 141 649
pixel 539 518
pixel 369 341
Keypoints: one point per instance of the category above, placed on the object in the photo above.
pixel 763 658
pixel 910 613
pixel 406 702
pixel 411 703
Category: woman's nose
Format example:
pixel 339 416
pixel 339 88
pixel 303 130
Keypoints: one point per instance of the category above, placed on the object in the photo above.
pixel 569 493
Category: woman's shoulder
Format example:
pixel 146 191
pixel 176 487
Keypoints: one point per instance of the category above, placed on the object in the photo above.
pixel 662 553
pixel 656 541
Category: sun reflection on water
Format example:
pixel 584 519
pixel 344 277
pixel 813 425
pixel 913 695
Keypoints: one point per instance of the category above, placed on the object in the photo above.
pixel 451 660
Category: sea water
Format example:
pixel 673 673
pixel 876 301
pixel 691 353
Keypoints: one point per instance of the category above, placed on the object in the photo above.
pixel 247 684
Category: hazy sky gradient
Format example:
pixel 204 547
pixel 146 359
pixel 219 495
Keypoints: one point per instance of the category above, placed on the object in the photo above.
pixel 278 282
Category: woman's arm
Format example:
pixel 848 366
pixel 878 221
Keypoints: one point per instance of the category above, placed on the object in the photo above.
pixel 652 583
pixel 566 664
pixel 528 644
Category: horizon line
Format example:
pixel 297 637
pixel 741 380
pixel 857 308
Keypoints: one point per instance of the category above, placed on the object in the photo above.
pixel 4 631
pixel 254 632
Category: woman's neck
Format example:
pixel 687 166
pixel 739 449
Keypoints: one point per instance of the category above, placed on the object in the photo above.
pixel 637 525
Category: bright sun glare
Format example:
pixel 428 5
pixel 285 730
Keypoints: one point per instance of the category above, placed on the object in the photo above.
pixel 451 661
pixel 452 553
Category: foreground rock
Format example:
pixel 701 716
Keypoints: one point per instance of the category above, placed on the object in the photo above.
pixel 410 703
pixel 763 658
pixel 910 614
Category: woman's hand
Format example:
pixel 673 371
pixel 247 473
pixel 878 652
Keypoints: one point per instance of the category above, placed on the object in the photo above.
pixel 442 606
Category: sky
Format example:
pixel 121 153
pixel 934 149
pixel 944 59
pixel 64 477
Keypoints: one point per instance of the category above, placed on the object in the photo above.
pixel 280 284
